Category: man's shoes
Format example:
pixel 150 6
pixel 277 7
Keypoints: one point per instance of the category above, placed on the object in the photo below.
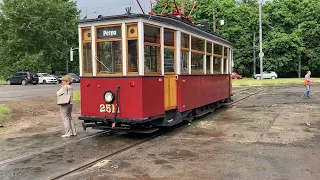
pixel 65 136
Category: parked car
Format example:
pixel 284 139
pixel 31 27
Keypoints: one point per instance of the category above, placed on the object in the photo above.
pixel 57 77
pixel 75 78
pixel 267 75
pixel 23 78
pixel 235 75
pixel 45 78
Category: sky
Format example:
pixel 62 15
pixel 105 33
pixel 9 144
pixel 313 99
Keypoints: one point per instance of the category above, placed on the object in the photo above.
pixel 110 7
pixel 93 8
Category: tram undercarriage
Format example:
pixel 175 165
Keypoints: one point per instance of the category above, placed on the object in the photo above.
pixel 151 124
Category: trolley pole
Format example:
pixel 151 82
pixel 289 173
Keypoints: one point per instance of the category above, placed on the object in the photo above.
pixel 261 54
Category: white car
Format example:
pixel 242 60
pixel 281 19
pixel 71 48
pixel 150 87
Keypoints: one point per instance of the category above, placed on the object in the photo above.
pixel 267 75
pixel 45 78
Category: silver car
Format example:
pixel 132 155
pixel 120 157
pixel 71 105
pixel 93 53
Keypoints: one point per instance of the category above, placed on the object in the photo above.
pixel 267 75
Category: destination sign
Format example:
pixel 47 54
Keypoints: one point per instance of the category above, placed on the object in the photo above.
pixel 109 32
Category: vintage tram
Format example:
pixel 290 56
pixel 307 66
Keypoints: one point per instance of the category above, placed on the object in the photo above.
pixel 141 72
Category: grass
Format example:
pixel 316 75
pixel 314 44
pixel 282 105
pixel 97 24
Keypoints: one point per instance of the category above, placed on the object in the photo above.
pixel 76 96
pixel 3 129
pixel 4 111
pixel 270 82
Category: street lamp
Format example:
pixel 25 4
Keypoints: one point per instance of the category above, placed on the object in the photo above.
pixel 71 53
pixel 261 54
pixel 71 58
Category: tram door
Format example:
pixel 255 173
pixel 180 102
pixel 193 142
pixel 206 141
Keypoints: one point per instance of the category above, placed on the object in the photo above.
pixel 170 82
pixel 170 87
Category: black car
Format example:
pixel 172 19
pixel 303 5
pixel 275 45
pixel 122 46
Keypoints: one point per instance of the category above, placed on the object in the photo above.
pixel 75 78
pixel 23 78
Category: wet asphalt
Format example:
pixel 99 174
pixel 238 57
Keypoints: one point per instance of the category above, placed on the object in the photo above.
pixel 45 156
pixel 64 156
pixel 18 92
pixel 248 141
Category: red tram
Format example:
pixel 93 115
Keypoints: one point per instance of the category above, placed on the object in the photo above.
pixel 141 72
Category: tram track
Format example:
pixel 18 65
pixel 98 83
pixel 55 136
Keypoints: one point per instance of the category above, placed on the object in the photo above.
pixel 158 134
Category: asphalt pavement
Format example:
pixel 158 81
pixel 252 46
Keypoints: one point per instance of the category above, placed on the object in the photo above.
pixel 18 92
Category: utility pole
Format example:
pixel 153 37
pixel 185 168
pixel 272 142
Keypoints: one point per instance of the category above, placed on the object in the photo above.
pixel 182 6
pixel 86 13
pixel 299 68
pixel 66 42
pixel 261 54
pixel 254 53
pixel 214 19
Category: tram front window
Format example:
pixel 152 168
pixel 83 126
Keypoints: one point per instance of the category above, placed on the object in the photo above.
pixel 132 56
pixel 87 63
pixel 109 57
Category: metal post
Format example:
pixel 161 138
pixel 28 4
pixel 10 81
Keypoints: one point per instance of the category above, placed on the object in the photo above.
pixel 299 68
pixel 260 29
pixel 254 53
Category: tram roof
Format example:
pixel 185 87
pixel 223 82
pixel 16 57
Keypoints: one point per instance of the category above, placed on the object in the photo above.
pixel 168 19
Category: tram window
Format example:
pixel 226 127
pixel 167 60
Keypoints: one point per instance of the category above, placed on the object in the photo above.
pixel 209 47
pixel 225 51
pixel 109 57
pixel 151 58
pixel 87 62
pixel 208 65
pixel 217 49
pixel 184 61
pixel 216 65
pixel 151 34
pixel 132 56
pixel 168 38
pixel 168 60
pixel 184 40
pixel 197 44
pixel 196 63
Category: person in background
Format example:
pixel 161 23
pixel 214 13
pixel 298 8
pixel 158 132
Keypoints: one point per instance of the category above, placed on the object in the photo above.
pixel 307 83
pixel 66 109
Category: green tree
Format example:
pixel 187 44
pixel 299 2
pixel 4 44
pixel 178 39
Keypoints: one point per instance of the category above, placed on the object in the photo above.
pixel 36 35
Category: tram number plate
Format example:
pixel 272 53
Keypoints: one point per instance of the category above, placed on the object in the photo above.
pixel 108 108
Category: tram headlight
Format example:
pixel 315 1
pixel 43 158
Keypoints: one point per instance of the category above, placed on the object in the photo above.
pixel 108 96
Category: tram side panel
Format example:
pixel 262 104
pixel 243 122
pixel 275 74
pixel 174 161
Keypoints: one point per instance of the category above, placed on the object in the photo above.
pixel 132 103
pixel 199 90
pixel 152 96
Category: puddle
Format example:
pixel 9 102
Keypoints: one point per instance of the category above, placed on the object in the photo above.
pixel 161 161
